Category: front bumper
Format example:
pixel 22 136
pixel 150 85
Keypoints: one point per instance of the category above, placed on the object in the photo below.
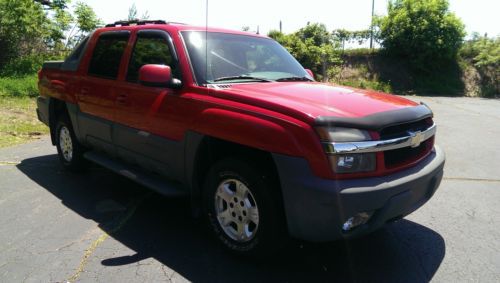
pixel 316 208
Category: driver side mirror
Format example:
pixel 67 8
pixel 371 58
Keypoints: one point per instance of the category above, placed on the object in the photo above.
pixel 158 76
pixel 310 73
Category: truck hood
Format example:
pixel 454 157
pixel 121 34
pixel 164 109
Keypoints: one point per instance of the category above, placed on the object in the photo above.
pixel 316 99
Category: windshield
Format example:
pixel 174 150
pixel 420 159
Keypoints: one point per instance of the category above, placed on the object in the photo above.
pixel 218 57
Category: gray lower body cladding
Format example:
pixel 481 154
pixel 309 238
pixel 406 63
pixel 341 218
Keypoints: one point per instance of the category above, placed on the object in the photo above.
pixel 42 110
pixel 316 208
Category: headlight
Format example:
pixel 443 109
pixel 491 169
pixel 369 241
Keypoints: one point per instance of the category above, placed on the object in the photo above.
pixel 353 163
pixel 347 163
pixel 337 134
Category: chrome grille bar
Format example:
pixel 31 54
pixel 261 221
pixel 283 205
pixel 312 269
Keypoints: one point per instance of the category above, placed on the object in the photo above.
pixel 413 139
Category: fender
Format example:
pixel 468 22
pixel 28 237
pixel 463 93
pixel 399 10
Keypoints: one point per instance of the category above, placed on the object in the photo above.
pixel 264 132
pixel 247 130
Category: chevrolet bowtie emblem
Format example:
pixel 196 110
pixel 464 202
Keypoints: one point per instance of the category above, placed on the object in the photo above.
pixel 416 138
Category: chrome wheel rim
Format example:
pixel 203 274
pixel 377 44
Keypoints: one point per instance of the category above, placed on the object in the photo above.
pixel 66 144
pixel 236 210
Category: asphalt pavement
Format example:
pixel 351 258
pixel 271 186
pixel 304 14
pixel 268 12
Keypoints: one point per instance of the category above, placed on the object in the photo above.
pixel 99 227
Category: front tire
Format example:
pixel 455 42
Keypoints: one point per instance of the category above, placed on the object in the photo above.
pixel 69 150
pixel 243 208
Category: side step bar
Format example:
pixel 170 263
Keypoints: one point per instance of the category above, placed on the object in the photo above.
pixel 156 183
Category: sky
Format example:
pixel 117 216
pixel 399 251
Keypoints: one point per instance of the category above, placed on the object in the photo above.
pixel 478 15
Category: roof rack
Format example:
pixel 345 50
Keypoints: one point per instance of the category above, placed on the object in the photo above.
pixel 140 22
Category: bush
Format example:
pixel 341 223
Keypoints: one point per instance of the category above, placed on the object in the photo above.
pixel 313 46
pixel 23 66
pixel 368 84
pixel 424 32
pixel 19 87
pixel 483 54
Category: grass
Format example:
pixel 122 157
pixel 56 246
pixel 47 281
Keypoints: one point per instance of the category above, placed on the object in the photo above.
pixel 19 86
pixel 18 121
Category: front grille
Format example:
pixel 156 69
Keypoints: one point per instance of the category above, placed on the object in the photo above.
pixel 407 155
pixel 402 129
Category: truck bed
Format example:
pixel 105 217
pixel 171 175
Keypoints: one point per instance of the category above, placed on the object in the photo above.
pixel 52 65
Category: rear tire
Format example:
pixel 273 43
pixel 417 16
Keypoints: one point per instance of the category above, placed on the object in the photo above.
pixel 243 208
pixel 69 150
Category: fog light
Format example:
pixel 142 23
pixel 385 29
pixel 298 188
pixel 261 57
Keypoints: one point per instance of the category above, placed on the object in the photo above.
pixel 356 220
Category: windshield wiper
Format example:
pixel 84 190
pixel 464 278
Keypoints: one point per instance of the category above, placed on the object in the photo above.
pixel 232 78
pixel 294 79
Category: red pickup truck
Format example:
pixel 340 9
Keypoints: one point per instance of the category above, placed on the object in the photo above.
pixel 231 120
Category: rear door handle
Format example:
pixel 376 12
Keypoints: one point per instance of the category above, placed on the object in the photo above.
pixel 121 99
pixel 84 91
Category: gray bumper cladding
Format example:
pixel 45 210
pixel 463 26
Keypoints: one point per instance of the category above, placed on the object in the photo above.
pixel 316 208
pixel 42 110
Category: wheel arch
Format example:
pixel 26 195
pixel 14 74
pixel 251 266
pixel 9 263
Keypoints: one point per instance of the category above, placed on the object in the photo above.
pixel 58 108
pixel 205 150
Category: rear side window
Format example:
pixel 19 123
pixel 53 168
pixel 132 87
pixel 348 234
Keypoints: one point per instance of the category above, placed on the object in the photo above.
pixel 107 55
pixel 150 48
pixel 73 61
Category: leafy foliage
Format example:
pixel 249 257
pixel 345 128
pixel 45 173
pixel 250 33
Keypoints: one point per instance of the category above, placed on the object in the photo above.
pixel 424 32
pixel 33 31
pixel 86 19
pixel 358 36
pixel 484 54
pixel 133 14
pixel 24 29
pixel 313 46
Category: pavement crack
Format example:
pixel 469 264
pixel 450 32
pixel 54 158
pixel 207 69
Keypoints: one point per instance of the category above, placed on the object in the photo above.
pixel 472 179
pixel 9 163
pixel 93 246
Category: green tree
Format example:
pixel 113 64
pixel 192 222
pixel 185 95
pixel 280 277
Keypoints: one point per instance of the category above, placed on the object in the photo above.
pixel 32 31
pixel 424 32
pixel 359 36
pixel 484 54
pixel 24 29
pixel 313 46
pixel 61 24
pixel 86 19
pixel 133 14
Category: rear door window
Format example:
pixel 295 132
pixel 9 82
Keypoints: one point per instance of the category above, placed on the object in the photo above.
pixel 107 55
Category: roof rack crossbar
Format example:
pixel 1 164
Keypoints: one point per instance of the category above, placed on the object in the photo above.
pixel 140 22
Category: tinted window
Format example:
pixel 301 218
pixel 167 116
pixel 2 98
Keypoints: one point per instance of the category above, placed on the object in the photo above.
pixel 75 55
pixel 107 55
pixel 71 63
pixel 150 48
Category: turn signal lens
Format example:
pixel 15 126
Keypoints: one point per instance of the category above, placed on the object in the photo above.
pixel 353 163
